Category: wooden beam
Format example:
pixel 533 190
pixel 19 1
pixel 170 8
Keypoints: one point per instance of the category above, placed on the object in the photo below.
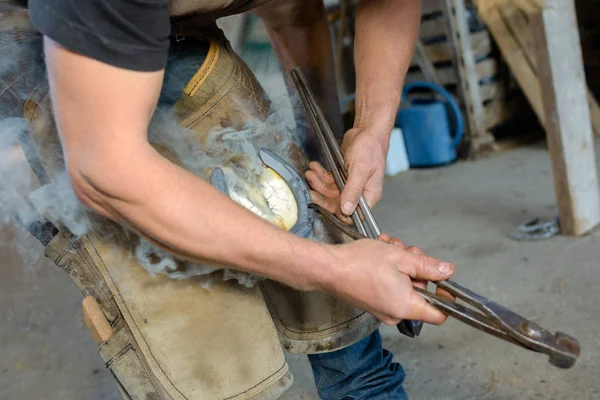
pixel 518 23
pixel 517 61
pixel 568 127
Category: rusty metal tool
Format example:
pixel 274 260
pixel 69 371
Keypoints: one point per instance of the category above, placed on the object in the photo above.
pixel 487 315
pixel 490 317
pixel 478 311
pixel 324 133
pixel 335 160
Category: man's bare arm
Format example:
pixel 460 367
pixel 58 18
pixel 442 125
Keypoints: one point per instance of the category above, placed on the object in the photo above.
pixel 386 33
pixel 103 112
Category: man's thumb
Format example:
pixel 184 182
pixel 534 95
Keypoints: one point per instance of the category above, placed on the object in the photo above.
pixel 357 180
pixel 428 268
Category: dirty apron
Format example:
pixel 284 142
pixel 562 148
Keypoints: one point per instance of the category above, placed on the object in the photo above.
pixel 173 339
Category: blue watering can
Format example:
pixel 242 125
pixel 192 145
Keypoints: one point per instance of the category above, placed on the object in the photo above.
pixel 426 128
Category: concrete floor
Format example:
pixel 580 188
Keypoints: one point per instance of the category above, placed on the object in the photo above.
pixel 462 213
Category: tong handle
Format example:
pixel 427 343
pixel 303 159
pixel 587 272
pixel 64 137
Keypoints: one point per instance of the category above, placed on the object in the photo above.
pixel 335 159
pixel 465 315
pixel 320 125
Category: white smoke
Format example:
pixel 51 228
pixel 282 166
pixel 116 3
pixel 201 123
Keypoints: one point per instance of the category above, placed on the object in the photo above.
pixel 16 184
pixel 223 147
pixel 24 199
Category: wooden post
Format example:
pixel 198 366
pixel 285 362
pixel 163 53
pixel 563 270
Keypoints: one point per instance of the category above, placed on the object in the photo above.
pixel 568 127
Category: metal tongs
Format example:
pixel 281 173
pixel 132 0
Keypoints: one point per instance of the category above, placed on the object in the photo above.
pixel 478 312
pixel 335 161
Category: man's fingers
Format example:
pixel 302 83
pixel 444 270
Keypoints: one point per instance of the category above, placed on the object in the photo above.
pixel 372 196
pixel 423 284
pixel 330 204
pixel 322 172
pixel 414 250
pixel 416 308
pixel 441 292
pixel 342 217
pixel 421 310
pixel 420 284
pixel 326 202
pixel 384 237
pixel 318 183
pixel 358 176
pixel 374 188
pixel 397 242
pixel 423 267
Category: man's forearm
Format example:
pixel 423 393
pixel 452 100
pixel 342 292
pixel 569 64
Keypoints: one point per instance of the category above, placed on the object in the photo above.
pixel 102 114
pixel 386 33
pixel 180 212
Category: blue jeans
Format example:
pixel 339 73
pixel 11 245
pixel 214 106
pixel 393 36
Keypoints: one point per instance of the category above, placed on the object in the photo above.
pixel 363 371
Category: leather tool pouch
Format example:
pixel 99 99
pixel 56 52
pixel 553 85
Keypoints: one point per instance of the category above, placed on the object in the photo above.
pixel 122 359
pixel 118 352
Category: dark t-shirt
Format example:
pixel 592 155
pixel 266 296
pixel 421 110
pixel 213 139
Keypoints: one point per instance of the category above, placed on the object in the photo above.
pixel 131 34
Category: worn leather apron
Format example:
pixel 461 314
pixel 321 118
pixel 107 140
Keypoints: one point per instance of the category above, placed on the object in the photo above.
pixel 173 339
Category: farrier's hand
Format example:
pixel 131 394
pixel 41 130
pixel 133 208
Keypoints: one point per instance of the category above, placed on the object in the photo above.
pixel 384 237
pixel 378 277
pixel 364 151
pixel 364 155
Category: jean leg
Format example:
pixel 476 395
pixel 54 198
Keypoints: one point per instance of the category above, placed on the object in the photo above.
pixel 363 371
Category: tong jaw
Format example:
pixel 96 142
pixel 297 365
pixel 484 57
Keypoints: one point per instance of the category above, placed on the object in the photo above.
pixel 503 323
pixel 561 348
